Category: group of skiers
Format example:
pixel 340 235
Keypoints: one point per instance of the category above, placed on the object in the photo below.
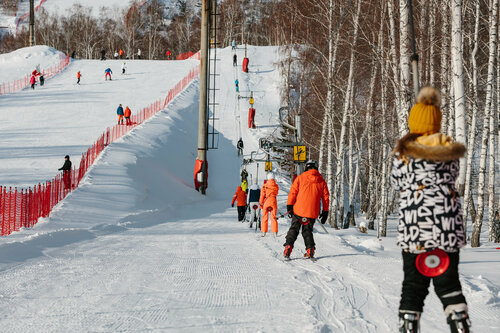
pixel 36 73
pixel 425 168
pixel 121 113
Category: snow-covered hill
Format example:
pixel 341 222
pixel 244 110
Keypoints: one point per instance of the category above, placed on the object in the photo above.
pixel 135 248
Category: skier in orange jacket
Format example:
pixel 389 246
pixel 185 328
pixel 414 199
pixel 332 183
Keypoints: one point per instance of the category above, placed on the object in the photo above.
pixel 308 191
pixel 268 204
pixel 127 113
pixel 241 202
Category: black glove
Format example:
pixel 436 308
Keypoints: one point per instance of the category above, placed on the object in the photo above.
pixel 323 216
pixel 289 209
pixel 232 205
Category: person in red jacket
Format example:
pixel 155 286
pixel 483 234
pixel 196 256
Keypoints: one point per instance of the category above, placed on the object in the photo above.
pixel 308 191
pixel 268 204
pixel 127 113
pixel 241 201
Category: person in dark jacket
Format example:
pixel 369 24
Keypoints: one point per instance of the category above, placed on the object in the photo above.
pixel 66 169
pixel 253 203
pixel 425 168
pixel 42 80
pixel 308 191
pixel 239 146
pixel 103 54
pixel 120 113
pixel 235 60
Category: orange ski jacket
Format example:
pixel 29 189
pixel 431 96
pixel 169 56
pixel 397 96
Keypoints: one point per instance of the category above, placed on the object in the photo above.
pixel 127 112
pixel 306 193
pixel 268 195
pixel 240 197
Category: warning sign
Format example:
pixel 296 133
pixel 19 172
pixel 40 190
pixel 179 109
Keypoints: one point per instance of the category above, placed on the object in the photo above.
pixel 269 166
pixel 299 153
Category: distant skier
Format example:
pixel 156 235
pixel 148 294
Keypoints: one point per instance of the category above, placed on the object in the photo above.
pixel 239 146
pixel 244 174
pixel 120 113
pixel 424 170
pixel 235 60
pixel 124 66
pixel 66 169
pixel 107 72
pixel 42 80
pixel 169 55
pixel 73 55
pixel 120 53
pixel 308 191
pixel 241 201
pixel 233 45
pixel 253 203
pixel 269 205
pixel 103 54
pixel 78 76
pixel 139 53
pixel 32 81
pixel 244 185
pixel 116 55
pixel 236 83
pixel 127 113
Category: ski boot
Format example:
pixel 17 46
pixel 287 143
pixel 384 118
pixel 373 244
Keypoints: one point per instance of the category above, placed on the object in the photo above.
pixel 310 253
pixel 458 319
pixel 409 321
pixel 288 251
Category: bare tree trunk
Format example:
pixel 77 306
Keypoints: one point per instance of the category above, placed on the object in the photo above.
pixel 338 187
pixel 458 84
pixel 432 36
pixel 472 130
pixel 401 113
pixel 404 60
pixel 493 17
pixel 445 27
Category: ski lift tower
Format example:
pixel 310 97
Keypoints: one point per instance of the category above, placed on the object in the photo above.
pixel 32 22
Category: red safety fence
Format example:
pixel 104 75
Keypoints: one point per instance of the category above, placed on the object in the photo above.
pixel 20 84
pixel 22 208
pixel 189 55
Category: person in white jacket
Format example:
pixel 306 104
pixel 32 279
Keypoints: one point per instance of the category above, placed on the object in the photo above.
pixel 124 66
pixel 253 203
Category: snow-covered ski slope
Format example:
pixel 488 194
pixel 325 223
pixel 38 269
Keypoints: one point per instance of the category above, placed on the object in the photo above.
pixel 135 248
pixel 39 127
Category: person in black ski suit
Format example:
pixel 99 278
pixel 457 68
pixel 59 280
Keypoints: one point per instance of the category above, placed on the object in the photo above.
pixel 103 54
pixel 253 203
pixel 235 60
pixel 425 167
pixel 239 145
pixel 66 169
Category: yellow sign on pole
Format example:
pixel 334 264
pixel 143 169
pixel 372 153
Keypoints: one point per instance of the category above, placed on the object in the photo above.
pixel 299 153
pixel 269 166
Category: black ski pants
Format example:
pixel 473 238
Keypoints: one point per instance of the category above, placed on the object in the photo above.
pixel 307 232
pixel 416 285
pixel 241 212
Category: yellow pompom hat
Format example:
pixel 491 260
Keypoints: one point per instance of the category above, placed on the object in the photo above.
pixel 425 116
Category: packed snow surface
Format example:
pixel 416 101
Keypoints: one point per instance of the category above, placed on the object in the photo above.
pixel 136 248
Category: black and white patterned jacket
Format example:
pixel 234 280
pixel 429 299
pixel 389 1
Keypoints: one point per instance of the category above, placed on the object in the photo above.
pixel 430 210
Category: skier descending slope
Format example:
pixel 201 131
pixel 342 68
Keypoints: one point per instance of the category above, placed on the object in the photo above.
pixel 268 204
pixel 425 168
pixel 253 203
pixel 107 72
pixel 308 191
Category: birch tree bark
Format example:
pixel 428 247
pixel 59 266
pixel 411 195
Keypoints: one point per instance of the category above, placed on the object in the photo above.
pixel 339 169
pixel 472 130
pixel 445 49
pixel 404 61
pixel 493 16
pixel 458 84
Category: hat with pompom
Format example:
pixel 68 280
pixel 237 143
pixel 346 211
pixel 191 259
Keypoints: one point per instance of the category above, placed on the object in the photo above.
pixel 425 116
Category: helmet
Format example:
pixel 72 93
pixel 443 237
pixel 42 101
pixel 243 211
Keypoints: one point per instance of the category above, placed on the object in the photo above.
pixel 270 176
pixel 311 164
pixel 67 156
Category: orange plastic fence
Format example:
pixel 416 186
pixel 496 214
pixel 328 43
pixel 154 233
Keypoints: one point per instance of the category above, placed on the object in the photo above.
pixel 20 84
pixel 21 208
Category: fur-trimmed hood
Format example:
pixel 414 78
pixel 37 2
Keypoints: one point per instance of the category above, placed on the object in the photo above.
pixel 437 147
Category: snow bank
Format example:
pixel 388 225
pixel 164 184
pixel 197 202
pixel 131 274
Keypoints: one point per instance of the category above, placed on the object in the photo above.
pixel 21 62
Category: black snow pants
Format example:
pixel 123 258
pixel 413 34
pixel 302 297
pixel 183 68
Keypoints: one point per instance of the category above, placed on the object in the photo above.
pixel 241 212
pixel 307 232
pixel 416 286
